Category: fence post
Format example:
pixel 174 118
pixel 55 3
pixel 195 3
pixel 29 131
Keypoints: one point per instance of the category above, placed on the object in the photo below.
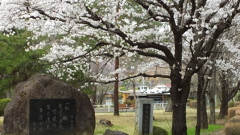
pixel 109 108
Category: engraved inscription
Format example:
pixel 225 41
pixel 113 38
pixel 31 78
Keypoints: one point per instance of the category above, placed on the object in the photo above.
pixel 146 119
pixel 52 116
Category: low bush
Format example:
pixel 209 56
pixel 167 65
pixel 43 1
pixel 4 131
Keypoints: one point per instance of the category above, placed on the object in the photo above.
pixel 237 103
pixel 193 104
pixel 232 126
pixel 3 104
pixel 159 131
pixel 230 104
pixel 129 102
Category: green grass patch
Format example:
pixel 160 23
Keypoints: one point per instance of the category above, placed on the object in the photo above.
pixel 211 128
pixel 126 121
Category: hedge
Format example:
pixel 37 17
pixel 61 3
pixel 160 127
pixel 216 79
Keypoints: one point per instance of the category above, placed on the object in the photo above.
pixel 237 103
pixel 3 104
pixel 159 131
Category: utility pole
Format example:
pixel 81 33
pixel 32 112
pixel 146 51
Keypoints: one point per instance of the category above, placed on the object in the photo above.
pixel 116 109
pixel 116 104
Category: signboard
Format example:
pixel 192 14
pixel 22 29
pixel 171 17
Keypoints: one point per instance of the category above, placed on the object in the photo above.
pixel 52 116
pixel 146 119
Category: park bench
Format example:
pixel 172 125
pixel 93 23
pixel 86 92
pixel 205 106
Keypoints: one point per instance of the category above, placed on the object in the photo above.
pixel 123 106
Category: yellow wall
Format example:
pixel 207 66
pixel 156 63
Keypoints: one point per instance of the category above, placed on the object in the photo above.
pixel 125 96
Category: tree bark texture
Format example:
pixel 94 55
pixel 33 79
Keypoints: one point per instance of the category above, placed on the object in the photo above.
pixel 134 89
pixel 94 95
pixel 179 95
pixel 202 120
pixel 211 96
pixel 224 102
pixel 212 119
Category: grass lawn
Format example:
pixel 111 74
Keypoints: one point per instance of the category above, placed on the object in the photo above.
pixel 1 123
pixel 211 129
pixel 125 122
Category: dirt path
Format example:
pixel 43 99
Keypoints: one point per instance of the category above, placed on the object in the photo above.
pixel 220 122
pixel 221 132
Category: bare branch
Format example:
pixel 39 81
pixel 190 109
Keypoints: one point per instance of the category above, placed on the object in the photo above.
pixel 40 11
pixel 171 16
pixel 83 55
pixel 134 76
pixel 201 3
pixel 153 15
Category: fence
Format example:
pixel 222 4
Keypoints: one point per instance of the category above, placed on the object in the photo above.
pixel 109 108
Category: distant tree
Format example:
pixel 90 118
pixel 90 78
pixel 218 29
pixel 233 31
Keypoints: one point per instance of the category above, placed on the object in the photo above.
pixel 102 90
pixel 227 66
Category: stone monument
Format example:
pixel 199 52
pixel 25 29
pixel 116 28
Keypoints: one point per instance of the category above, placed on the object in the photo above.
pixel 46 105
pixel 144 117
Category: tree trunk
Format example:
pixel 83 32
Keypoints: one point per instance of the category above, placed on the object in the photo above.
pixel 199 91
pixel 101 97
pixel 202 120
pixel 179 120
pixel 204 117
pixel 211 96
pixel 212 119
pixel 224 102
pixel 134 90
pixel 179 95
pixel 116 109
pixel 94 95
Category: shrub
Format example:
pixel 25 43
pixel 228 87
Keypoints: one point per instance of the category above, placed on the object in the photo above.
pixel 193 104
pixel 129 102
pixel 237 103
pixel 159 131
pixel 232 126
pixel 3 104
pixel 232 112
pixel 238 98
pixel 230 104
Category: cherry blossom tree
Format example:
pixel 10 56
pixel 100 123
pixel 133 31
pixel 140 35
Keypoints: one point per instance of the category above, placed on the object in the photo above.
pixel 228 68
pixel 167 32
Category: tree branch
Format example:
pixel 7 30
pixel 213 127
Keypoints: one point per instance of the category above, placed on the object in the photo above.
pixel 83 55
pixel 151 13
pixel 40 11
pixel 164 49
pixel 171 18
pixel 134 76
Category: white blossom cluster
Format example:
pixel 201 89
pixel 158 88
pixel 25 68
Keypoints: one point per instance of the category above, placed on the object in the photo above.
pixel 91 30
